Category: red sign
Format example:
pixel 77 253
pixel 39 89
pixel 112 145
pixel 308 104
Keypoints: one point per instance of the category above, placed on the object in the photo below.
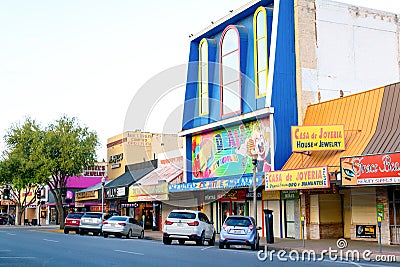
pixel 371 169
pixel 233 195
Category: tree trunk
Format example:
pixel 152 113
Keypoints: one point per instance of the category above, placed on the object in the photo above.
pixel 20 212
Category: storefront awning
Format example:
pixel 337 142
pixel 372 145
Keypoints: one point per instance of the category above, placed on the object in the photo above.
pixel 129 178
pixel 358 113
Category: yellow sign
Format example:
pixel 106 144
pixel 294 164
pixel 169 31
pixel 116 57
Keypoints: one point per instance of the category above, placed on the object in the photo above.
pixel 271 195
pixel 297 179
pixel 317 138
pixel 86 195
pixel 137 193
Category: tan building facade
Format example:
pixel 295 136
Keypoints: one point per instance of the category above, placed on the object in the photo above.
pixel 136 146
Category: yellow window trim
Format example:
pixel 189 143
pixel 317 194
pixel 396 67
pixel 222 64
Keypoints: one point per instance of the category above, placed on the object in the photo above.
pixel 256 38
pixel 203 91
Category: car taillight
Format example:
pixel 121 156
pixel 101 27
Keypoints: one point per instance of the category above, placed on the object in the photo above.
pixel 123 224
pixel 105 222
pixel 224 225
pixel 195 223
pixel 251 227
pixel 168 222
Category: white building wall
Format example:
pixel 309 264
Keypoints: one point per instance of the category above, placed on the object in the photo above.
pixel 343 47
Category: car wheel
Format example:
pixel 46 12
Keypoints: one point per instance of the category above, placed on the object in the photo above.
pixel 81 232
pixel 66 231
pixel 141 235
pixel 211 242
pixel 167 241
pixel 221 245
pixel 95 233
pixel 200 242
pixel 105 235
pixel 129 234
pixel 181 242
pixel 228 246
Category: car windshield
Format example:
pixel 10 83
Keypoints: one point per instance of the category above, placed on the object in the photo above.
pixel 74 216
pixel 182 215
pixel 238 222
pixel 92 215
pixel 117 218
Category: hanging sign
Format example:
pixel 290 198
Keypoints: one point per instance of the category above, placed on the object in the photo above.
pixel 317 138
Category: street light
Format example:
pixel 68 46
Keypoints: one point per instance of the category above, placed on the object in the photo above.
pixel 252 153
pixel 103 181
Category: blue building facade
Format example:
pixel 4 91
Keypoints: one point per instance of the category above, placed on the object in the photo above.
pixel 240 97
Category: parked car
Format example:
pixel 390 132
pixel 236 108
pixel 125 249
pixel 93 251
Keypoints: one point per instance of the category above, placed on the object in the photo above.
pixel 120 226
pixel 72 222
pixel 92 222
pixel 188 225
pixel 239 230
pixel 6 218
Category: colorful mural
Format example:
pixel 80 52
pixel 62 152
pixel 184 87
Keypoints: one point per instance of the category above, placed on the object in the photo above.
pixel 224 152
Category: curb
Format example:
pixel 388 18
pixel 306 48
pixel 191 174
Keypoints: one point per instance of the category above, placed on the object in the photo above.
pixel 373 256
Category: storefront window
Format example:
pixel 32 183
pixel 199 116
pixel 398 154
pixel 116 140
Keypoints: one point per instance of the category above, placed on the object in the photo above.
pixel 260 52
pixel 203 77
pixel 230 72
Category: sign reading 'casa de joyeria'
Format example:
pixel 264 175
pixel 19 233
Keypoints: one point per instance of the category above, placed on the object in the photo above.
pixel 317 138
pixel 297 179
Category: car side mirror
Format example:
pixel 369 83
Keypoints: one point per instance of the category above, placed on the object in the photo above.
pixel 211 222
pixel 258 228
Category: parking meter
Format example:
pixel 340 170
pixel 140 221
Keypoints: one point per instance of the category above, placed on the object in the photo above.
pixel 302 219
pixel 380 233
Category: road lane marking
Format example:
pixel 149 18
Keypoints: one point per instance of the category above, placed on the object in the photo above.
pixel 49 240
pixel 129 252
pixel 206 248
pixel 5 250
pixel 17 258
pixel 11 234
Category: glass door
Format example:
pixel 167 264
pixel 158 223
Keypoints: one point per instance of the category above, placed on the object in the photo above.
pixel 289 219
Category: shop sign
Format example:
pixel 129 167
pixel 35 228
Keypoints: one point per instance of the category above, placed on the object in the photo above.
pixel 217 184
pixel 380 212
pixel 95 171
pixel 297 179
pixel 223 153
pixel 317 138
pixel 162 197
pixel 148 192
pixel 233 195
pixel 116 158
pixel 250 194
pixel 86 195
pixel 271 195
pixel 79 205
pixel 366 231
pixel 115 192
pixel 370 169
pixel 210 196
pixel 289 194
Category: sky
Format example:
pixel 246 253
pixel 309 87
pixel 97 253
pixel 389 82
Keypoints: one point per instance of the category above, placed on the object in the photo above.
pixel 88 58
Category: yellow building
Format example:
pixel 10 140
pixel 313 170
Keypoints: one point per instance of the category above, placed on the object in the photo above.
pixel 136 146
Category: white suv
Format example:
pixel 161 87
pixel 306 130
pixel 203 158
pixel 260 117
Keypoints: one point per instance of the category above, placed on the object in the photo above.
pixel 188 225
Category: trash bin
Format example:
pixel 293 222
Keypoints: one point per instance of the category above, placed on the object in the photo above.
pixel 269 223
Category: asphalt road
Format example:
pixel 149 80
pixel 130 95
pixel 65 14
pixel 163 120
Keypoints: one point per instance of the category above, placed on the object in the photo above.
pixel 30 247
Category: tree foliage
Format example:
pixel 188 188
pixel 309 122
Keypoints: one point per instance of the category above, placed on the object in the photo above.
pixel 65 150
pixel 18 167
pixel 36 156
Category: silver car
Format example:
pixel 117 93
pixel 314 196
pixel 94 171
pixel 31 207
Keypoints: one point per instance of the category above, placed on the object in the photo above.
pixel 120 226
pixel 92 222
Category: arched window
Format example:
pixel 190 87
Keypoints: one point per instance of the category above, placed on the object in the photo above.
pixel 260 51
pixel 203 77
pixel 230 72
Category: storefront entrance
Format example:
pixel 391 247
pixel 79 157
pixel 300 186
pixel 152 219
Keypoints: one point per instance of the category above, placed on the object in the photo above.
pixel 290 229
pixel 394 213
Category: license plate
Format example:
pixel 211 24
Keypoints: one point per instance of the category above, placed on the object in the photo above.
pixel 180 224
pixel 73 221
pixel 237 231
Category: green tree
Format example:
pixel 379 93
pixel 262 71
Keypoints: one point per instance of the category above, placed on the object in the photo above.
pixel 65 150
pixel 18 166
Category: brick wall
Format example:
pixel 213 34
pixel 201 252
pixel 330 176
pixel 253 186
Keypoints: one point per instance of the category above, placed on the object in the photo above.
pixel 331 231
